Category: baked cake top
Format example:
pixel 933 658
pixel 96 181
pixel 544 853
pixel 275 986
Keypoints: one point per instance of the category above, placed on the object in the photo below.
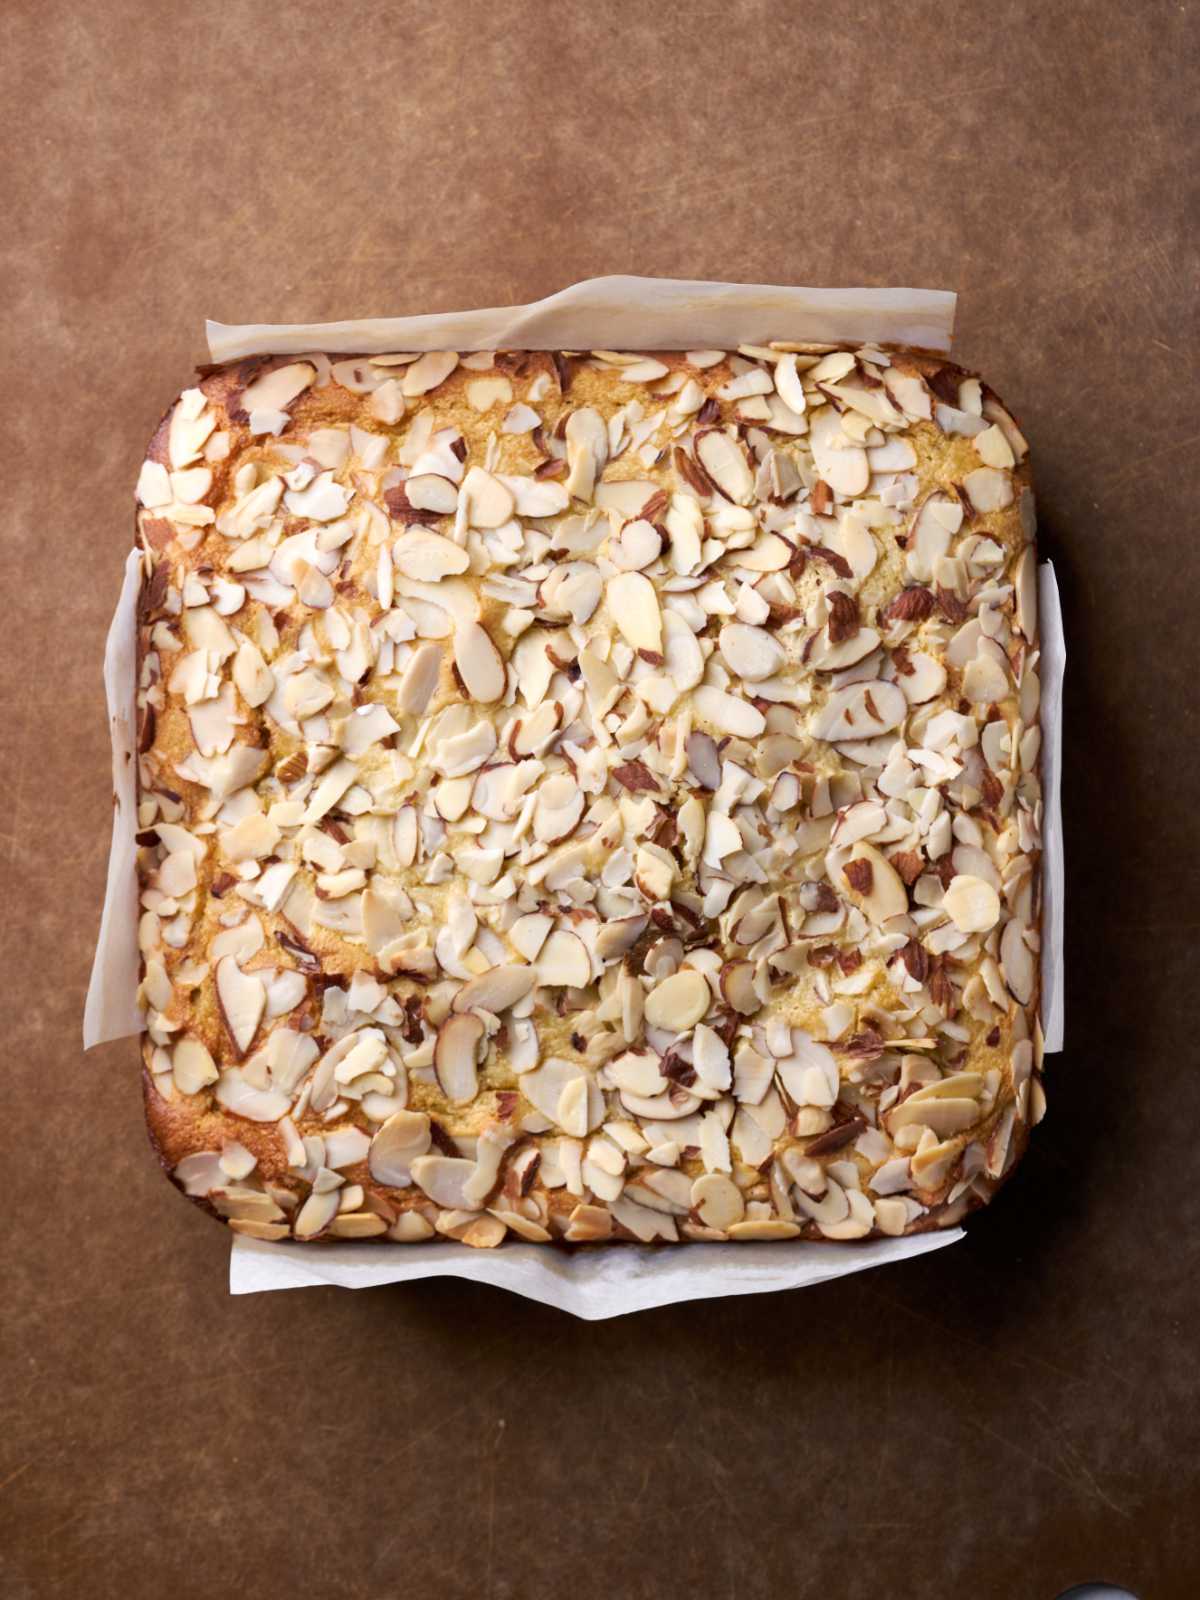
pixel 589 795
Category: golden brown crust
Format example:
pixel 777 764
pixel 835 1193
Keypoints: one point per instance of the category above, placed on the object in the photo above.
pixel 662 862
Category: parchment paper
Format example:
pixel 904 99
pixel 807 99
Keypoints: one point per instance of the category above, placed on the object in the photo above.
pixel 110 1012
pixel 623 313
pixel 608 313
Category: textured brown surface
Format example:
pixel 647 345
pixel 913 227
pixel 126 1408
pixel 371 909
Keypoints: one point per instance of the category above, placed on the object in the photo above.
pixel 1011 1416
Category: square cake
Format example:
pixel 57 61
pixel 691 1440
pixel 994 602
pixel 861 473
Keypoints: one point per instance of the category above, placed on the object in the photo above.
pixel 589 796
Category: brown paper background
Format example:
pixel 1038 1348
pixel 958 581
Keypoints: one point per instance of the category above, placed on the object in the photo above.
pixel 1003 1419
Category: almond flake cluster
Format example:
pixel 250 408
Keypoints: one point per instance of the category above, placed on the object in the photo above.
pixel 589 796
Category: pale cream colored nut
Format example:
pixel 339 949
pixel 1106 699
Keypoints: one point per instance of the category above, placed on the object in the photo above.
pixel 678 1002
pixel 396 1145
pixel 717 1200
pixel 971 904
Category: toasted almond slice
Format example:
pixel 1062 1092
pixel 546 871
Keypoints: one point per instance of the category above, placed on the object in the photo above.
pixel 727 713
pixel 1025 584
pixel 443 1178
pixel 762 1228
pixel 427 557
pixel 994 448
pixel 637 1072
pixel 737 986
pixel 428 371
pixel 678 1002
pixel 985 681
pixel 874 884
pixel 588 1223
pixel 937 520
pixel 254 1229
pixel 276 390
pixel 618 937
pixel 192 1066
pixel 1017 962
pixel 559 808
pixel 254 679
pixel 484 393
pixel 910 394
pixel 563 960
pixel 420 678
pixel 725 462
pixel 788 385
pixel 990 488
pixel 242 998
pixel 489 502
pixel 636 546
pixel 627 495
pixel 633 605
pixel 860 711
pixel 396 1145
pixel 683 660
pixel 572 1113
pixel 750 653
pixel 587 451
pixel 536 497
pixel 480 664
pixel 357 1225
pixel 572 590
pixel 843 466
pixel 529 933
pixel 315 1215
pixel 495 990
pixel 717 1200
pixel 643 370
pixel 926 677
pixel 429 491
pixel 454 1056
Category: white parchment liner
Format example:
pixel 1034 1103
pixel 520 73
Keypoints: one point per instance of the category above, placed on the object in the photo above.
pixel 609 313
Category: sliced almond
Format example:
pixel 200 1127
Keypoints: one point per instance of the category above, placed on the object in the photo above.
pixel 1017 962
pixel 242 999
pixel 427 557
pixel 489 502
pixel 633 605
pixel 254 679
pixel 738 987
pixel 937 520
pixel 444 1180
pixel 725 462
pixel 428 371
pixel 678 1002
pixel 860 711
pixel 559 809
pixel 717 1200
pixel 563 960
pixel 495 990
pixel 1025 584
pixel 455 1054
pixel 484 393
pixel 396 1145
pixel 192 1066
pixel 419 678
pixel 276 390
pixel 636 546
pixel 788 384
pixel 839 463
pixel 879 891
pixel 480 664
pixel 750 653
pixel 989 488
pixel 315 1215
pixel 727 713
pixel 428 491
